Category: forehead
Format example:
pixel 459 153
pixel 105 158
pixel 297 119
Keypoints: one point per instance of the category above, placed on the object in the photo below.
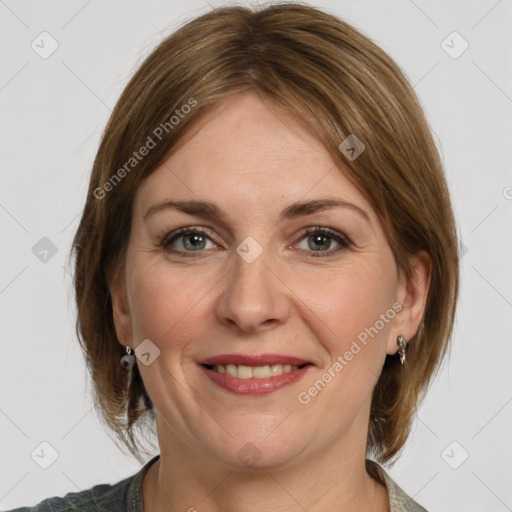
pixel 247 155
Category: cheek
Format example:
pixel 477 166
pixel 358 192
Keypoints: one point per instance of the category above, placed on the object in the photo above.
pixel 360 307
pixel 351 301
pixel 166 303
pixel 350 306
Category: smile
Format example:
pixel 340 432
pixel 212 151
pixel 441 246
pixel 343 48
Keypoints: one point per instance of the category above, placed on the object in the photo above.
pixel 254 375
pixel 257 372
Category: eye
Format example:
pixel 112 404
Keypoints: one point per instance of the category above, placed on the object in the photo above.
pixel 192 241
pixel 320 240
pixel 189 239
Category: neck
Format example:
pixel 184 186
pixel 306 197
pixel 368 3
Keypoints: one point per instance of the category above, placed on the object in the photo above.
pixel 333 480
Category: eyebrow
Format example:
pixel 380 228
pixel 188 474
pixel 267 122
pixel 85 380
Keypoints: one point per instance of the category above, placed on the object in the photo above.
pixel 209 210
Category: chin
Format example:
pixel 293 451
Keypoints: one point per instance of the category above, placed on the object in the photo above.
pixel 261 451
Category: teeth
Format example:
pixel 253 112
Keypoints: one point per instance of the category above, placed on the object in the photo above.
pixel 258 372
pixel 276 369
pixel 244 372
pixel 231 370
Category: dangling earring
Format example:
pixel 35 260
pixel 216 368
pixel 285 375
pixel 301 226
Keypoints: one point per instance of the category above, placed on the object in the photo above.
pixel 128 360
pixel 402 344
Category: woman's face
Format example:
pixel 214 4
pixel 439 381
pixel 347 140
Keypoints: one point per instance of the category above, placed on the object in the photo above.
pixel 248 283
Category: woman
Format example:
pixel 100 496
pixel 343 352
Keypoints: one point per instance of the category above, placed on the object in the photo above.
pixel 266 268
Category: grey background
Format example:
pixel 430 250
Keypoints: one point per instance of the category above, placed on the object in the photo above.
pixel 53 113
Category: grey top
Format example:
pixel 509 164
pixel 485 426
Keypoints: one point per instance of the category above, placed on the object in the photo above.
pixel 126 495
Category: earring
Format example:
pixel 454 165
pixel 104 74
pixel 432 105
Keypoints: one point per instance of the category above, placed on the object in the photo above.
pixel 128 360
pixel 402 344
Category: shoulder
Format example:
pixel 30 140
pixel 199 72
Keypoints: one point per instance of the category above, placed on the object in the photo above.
pixel 399 501
pixel 100 497
pixel 124 496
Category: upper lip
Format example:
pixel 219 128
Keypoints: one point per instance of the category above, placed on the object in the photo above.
pixel 253 360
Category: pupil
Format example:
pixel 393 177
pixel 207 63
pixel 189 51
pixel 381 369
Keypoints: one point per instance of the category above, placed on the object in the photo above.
pixel 320 241
pixel 193 241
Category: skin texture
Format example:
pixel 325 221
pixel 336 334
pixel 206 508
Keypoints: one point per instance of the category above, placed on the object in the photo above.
pixel 253 161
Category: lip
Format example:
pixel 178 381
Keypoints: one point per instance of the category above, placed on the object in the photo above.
pixel 253 360
pixel 254 386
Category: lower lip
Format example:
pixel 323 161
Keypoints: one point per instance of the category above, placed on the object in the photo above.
pixel 255 386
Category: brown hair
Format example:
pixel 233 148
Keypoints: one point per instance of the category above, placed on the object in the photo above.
pixel 327 74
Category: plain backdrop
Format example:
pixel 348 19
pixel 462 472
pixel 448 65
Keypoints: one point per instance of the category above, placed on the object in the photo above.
pixel 53 111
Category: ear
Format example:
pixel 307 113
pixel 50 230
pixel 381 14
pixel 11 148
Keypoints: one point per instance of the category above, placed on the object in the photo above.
pixel 412 292
pixel 121 310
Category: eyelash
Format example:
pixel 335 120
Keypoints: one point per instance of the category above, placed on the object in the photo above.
pixel 344 242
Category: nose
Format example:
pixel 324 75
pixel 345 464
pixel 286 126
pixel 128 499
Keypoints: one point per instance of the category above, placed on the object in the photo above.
pixel 254 297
